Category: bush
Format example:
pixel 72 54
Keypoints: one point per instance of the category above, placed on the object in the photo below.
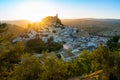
pixel 28 69
pixel 32 68
pixel 37 45
pixel 3 27
pixel 9 57
pixel 113 43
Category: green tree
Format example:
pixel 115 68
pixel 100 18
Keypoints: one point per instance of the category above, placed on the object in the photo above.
pixel 54 69
pixel 113 43
pixel 38 46
pixel 3 27
pixel 9 57
pixel 81 65
pixel 28 69
pixel 100 57
pixel 113 66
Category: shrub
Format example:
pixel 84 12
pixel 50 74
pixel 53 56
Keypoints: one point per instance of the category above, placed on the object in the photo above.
pixel 37 45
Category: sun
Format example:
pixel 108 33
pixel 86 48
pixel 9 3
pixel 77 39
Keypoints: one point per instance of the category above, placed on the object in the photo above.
pixel 34 11
pixel 34 19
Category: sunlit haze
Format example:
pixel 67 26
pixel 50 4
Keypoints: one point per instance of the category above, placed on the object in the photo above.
pixel 35 10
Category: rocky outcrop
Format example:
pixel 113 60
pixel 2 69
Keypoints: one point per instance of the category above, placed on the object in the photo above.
pixel 51 20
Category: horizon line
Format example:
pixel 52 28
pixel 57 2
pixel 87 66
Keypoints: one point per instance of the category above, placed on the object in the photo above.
pixel 59 18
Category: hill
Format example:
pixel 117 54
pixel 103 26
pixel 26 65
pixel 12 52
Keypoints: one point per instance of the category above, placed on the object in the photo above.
pixel 80 23
pixel 21 23
pixel 89 22
pixel 9 32
pixel 103 27
pixel 106 27
pixel 64 55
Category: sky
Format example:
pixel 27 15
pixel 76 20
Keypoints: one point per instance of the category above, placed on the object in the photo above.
pixel 35 10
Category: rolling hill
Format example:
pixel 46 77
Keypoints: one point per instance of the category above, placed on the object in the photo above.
pixel 21 23
pixel 106 27
pixel 9 33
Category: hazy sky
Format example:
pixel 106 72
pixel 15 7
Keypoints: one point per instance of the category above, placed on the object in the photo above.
pixel 37 9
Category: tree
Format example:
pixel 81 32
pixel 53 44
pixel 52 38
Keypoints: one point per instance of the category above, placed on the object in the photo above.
pixel 113 43
pixel 80 65
pixel 3 27
pixel 9 57
pixel 100 57
pixel 43 68
pixel 28 69
pixel 38 46
pixel 55 69
pixel 113 66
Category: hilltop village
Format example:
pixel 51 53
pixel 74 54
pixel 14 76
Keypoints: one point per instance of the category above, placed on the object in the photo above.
pixel 74 40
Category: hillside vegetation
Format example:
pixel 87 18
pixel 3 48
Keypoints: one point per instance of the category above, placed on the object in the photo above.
pixel 8 32
pixel 20 61
pixel 21 23
pixel 16 63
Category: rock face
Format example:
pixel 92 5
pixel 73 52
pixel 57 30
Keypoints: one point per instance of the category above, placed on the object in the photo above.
pixel 50 20
pixel 71 38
